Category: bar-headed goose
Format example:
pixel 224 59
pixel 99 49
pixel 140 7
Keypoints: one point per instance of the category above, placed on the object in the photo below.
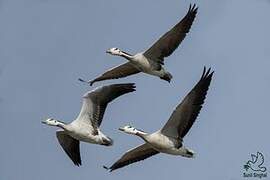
pixel 169 139
pixel 86 127
pixel 151 60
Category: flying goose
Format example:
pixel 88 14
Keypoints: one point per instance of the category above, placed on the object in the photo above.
pixel 169 139
pixel 151 61
pixel 86 127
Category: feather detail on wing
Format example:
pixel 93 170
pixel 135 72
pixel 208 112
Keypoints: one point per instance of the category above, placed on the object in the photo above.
pixel 167 44
pixel 96 101
pixel 187 111
pixel 134 155
pixel 120 71
pixel 71 146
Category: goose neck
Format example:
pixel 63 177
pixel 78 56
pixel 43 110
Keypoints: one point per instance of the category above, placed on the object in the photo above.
pixel 62 125
pixel 126 55
pixel 141 134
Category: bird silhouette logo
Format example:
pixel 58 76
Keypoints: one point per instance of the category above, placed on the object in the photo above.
pixel 256 163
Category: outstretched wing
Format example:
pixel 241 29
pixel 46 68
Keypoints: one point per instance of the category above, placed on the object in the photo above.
pixel 186 113
pixel 71 146
pixel 120 71
pixel 166 45
pixel 96 101
pixel 134 155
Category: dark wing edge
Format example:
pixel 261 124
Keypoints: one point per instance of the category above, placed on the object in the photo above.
pixel 167 43
pixel 196 97
pixel 134 155
pixel 71 146
pixel 105 96
pixel 187 111
pixel 120 71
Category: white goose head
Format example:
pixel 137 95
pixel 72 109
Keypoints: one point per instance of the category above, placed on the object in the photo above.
pixel 131 130
pixel 51 122
pixel 114 51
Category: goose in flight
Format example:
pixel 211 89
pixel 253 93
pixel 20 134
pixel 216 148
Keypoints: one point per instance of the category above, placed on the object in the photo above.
pixel 86 127
pixel 169 139
pixel 151 61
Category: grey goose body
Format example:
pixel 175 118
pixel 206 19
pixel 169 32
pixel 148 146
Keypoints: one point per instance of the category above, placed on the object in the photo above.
pixel 169 139
pixel 86 127
pixel 150 61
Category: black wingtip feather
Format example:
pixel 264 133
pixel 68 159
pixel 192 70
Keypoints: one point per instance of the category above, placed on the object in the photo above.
pixel 88 82
pixel 206 74
pixel 197 97
pixel 77 164
pixel 209 69
pixel 130 87
pixel 108 169
pixel 116 90
pixel 204 69
pixel 119 165
pixel 193 8
pixel 82 80
pixel 189 7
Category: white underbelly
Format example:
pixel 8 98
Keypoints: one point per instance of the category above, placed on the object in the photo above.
pixel 144 65
pixel 146 68
pixel 166 144
pixel 173 151
pixel 159 141
pixel 141 62
pixel 85 137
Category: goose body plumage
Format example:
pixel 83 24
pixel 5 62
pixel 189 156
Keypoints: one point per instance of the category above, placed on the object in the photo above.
pixel 151 61
pixel 86 127
pixel 169 139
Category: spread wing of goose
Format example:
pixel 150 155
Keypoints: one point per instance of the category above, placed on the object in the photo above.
pixel 151 61
pixel 86 126
pixel 169 139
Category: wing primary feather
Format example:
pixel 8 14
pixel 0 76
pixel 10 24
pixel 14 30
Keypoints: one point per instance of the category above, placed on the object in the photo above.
pixel 187 111
pixel 96 101
pixel 200 92
pixel 170 41
pixel 80 79
pixel 134 155
pixel 120 71
pixel 71 147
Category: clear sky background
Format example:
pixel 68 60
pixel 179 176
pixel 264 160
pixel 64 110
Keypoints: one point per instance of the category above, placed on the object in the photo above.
pixel 45 45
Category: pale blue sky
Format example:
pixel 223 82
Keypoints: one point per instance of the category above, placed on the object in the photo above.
pixel 45 45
